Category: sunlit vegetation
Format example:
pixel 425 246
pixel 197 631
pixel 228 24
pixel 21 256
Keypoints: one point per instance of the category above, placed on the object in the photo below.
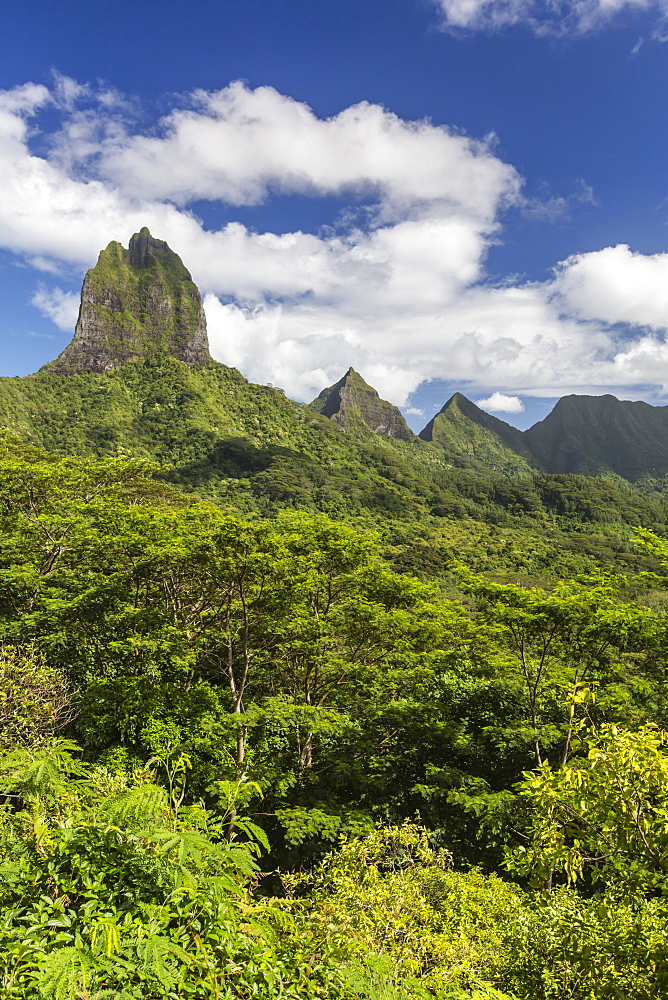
pixel 290 749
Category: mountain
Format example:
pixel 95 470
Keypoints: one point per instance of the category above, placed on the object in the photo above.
pixel 602 435
pixel 353 404
pixel 137 381
pixel 473 439
pixel 583 435
pixel 137 378
pixel 134 302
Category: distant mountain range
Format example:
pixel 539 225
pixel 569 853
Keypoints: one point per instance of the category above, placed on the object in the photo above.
pixel 138 378
pixel 586 435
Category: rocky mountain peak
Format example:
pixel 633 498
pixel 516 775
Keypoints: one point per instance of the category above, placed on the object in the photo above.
pixel 141 245
pixel 134 303
pixel 355 405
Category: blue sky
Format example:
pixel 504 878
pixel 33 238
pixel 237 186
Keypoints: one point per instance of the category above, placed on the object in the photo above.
pixel 446 194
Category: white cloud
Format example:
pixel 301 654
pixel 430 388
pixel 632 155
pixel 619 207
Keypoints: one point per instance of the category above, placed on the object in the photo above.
pixel 68 92
pixel 486 336
pixel 500 403
pixel 57 305
pixel 23 100
pixel 617 286
pixel 554 17
pixel 551 208
pixel 240 145
pixel 584 193
pixel 398 291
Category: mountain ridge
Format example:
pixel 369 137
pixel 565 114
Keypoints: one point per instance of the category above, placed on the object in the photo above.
pixel 140 305
pixel 594 435
pixel 582 435
pixel 475 439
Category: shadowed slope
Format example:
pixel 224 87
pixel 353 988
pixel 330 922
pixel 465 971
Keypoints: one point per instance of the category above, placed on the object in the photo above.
pixel 599 435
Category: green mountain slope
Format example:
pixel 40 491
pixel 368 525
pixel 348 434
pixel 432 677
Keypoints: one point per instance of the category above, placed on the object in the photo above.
pixel 583 435
pixel 356 407
pixel 464 489
pixel 473 439
pixel 602 435
pixel 249 447
pixel 213 427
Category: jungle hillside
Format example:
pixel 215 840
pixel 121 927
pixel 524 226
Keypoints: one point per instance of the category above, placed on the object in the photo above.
pixel 297 704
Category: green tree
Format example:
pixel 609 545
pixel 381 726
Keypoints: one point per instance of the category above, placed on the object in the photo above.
pixel 403 912
pixel 34 697
pixel 603 817
pixel 108 889
pixel 565 644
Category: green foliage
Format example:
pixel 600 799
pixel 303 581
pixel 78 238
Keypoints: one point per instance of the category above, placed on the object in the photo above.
pixel 34 697
pixel 245 682
pixel 123 895
pixel 431 930
pixel 599 948
pixel 567 644
pixel 287 654
pixel 249 448
pixel 605 815
pixel 473 439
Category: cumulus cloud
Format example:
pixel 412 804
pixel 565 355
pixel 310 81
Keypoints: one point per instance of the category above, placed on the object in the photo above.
pixel 616 285
pixel 515 337
pixel 232 146
pixel 500 403
pixel 554 17
pixel 57 305
pixel 397 289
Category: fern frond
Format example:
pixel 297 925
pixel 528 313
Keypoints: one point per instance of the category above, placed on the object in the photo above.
pixel 187 845
pixel 105 931
pixel 113 994
pixel 154 952
pixel 138 806
pixel 39 771
pixel 64 974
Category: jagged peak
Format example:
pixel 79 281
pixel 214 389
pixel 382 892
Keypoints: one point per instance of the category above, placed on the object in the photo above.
pixel 352 375
pixel 352 401
pixel 135 302
pixel 474 412
pixel 473 438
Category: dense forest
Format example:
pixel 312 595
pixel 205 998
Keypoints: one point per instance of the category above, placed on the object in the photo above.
pixel 295 704
pixel 290 748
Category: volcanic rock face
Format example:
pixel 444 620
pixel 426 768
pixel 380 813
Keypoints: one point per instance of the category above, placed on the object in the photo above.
pixel 135 302
pixel 352 402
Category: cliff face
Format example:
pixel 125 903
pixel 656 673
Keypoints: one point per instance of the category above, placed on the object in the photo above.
pixel 355 405
pixel 135 302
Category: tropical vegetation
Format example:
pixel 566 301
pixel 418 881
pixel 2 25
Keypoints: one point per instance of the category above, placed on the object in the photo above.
pixel 257 743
